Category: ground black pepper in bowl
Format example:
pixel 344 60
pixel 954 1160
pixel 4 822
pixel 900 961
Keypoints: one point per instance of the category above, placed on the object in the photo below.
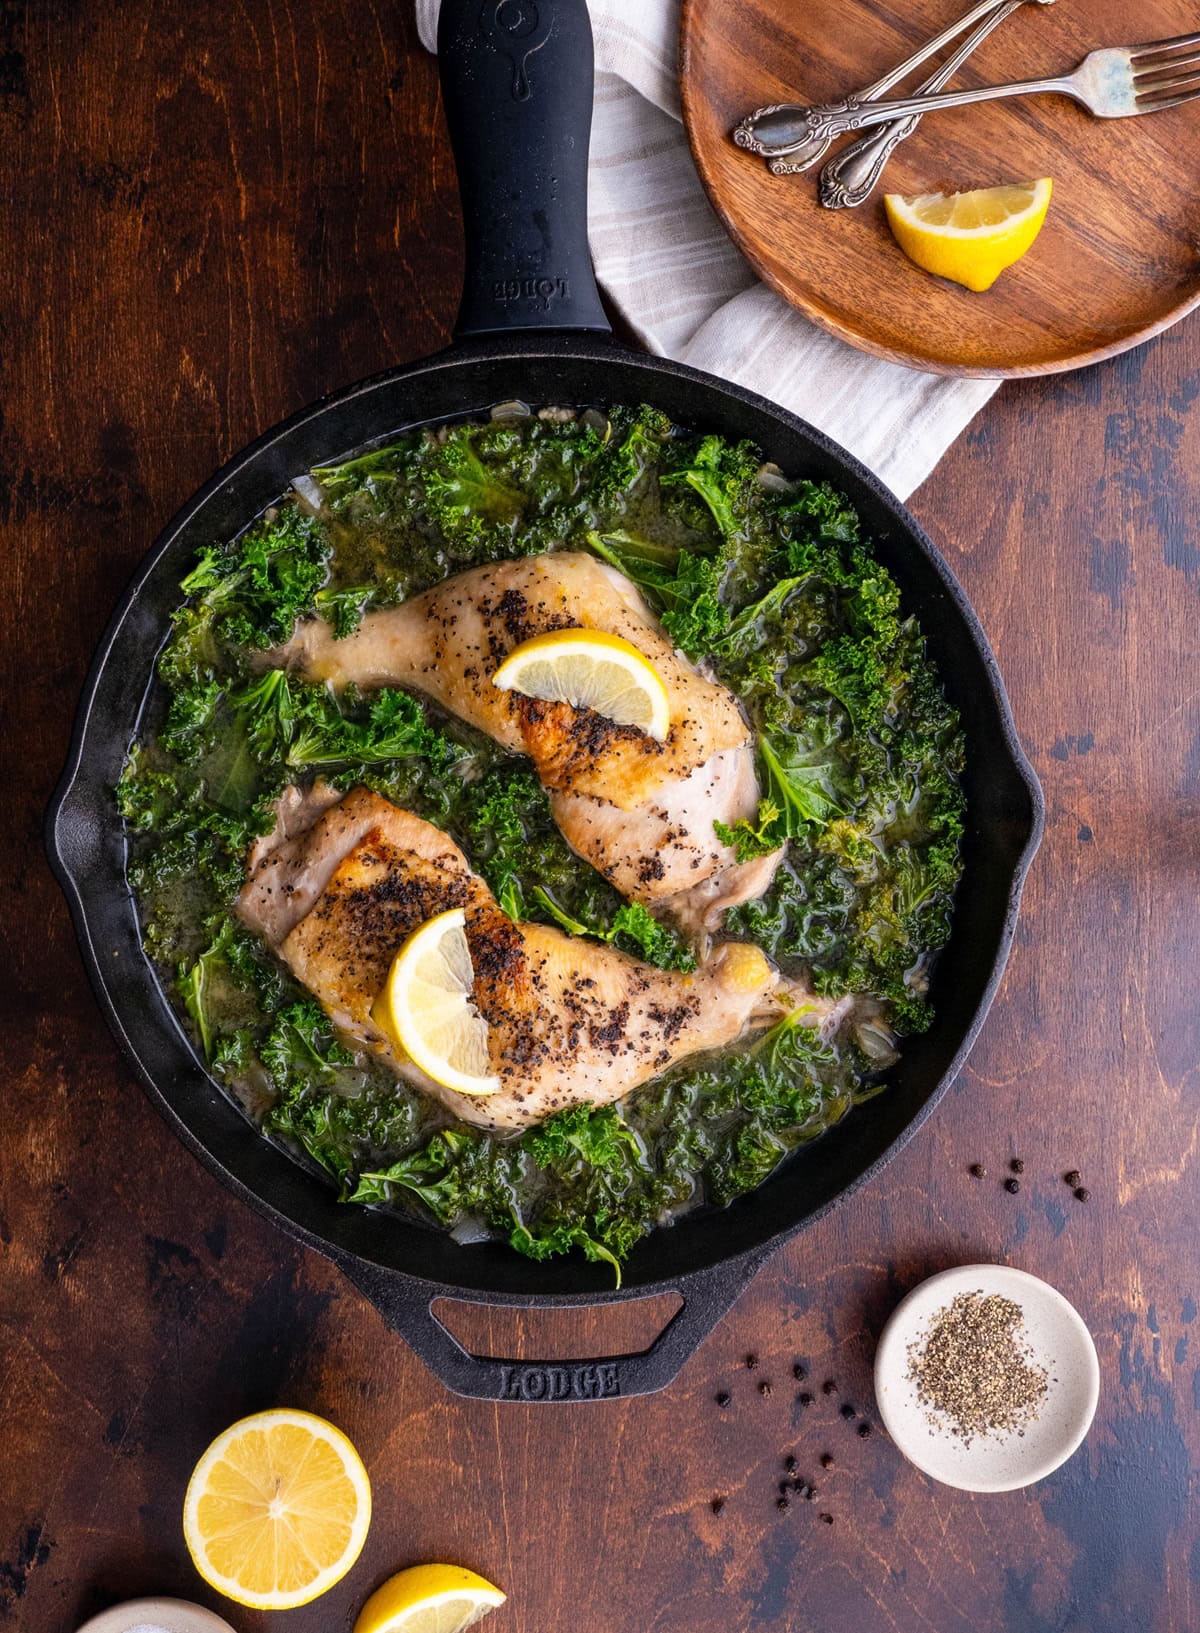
pixel 973 1371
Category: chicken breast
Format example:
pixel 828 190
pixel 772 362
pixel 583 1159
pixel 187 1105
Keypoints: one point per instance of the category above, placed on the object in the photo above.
pixel 570 1021
pixel 640 811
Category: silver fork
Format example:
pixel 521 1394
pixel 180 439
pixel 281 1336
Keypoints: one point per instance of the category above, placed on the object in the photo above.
pixel 849 180
pixel 872 93
pixel 1118 83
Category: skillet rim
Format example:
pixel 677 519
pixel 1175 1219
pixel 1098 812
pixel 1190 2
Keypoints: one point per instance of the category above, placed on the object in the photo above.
pixel 584 1287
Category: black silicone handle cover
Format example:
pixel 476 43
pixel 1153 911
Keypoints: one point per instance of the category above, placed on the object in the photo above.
pixel 517 85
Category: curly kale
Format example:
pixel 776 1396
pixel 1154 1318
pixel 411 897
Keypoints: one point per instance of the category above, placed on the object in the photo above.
pixel 195 983
pixel 724 477
pixel 248 593
pixel 342 1133
pixel 608 1174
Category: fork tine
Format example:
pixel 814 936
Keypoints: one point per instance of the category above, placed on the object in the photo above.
pixel 1166 62
pixel 1152 77
pixel 1143 54
pixel 1160 104
pixel 1165 87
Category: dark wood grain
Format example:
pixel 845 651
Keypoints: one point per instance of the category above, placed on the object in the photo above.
pixel 1116 260
pixel 208 215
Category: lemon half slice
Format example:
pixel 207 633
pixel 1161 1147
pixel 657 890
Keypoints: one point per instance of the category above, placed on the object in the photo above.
pixel 970 237
pixel 426 1007
pixel 277 1510
pixel 428 1599
pixel 590 669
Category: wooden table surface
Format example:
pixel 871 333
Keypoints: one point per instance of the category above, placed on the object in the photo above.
pixel 210 214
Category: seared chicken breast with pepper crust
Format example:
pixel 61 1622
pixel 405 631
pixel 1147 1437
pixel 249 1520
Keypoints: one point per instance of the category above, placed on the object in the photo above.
pixel 639 810
pixel 342 883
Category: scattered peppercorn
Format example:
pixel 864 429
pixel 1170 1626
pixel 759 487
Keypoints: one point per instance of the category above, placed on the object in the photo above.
pixel 809 1493
pixel 789 1464
pixel 1072 1178
pixel 864 1429
pixel 827 1519
pixel 751 1362
pixel 1012 1186
pixel 723 1398
pixel 848 1412
pixel 764 1387
pixel 829 1387
pixel 1017 1166
pixel 1082 1194
pixel 826 1460
pixel 805 1398
pixel 977 1171
pixel 717 1504
pixel 785 1486
pixel 798 1372
pixel 781 1503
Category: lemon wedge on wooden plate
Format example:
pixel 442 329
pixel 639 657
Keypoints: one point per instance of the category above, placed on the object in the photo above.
pixel 429 1599
pixel 277 1510
pixel 970 237
pixel 589 668
pixel 426 1007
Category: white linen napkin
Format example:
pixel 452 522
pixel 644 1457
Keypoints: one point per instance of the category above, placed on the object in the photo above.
pixel 668 266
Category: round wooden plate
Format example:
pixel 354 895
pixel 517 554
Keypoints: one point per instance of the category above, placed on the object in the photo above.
pixel 1118 259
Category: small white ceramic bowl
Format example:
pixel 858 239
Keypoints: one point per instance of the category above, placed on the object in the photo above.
pixel 172 1615
pixel 1057 1339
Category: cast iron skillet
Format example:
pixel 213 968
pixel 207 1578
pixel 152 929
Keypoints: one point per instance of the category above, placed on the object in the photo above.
pixel 517 79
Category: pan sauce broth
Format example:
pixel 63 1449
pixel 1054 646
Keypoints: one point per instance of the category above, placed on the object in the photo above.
pixel 769 585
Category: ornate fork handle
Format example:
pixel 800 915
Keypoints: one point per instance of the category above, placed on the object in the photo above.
pixel 762 133
pixel 851 178
pixel 823 124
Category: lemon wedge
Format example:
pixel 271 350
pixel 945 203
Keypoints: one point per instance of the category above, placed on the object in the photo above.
pixel 277 1510
pixel 426 1007
pixel 590 669
pixel 970 237
pixel 428 1599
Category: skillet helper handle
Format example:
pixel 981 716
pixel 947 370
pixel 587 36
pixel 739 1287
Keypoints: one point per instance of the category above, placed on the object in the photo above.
pixel 407 1306
pixel 517 86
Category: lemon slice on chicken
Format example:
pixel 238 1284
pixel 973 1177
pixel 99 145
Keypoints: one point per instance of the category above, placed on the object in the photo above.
pixel 429 1599
pixel 970 237
pixel 591 669
pixel 426 1007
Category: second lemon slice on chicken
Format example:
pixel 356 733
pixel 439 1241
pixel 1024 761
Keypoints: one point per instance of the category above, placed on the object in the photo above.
pixel 970 237
pixel 426 1007
pixel 589 668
